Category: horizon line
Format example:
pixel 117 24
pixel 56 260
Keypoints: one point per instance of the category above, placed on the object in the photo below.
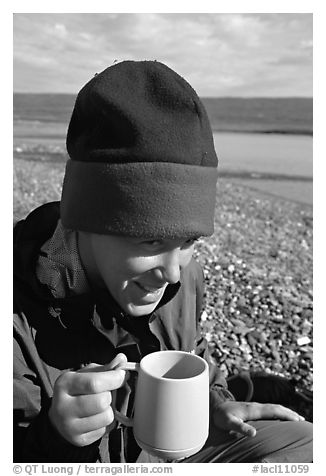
pixel 227 96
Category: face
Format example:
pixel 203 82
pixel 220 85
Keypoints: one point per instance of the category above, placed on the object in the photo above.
pixel 137 271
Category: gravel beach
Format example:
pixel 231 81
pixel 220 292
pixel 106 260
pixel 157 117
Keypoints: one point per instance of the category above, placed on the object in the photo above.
pixel 258 269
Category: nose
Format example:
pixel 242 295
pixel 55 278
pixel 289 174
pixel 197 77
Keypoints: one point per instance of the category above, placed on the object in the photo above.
pixel 173 262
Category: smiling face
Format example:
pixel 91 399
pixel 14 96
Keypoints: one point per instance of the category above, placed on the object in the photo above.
pixel 136 271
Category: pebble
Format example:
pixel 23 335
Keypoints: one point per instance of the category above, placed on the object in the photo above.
pixel 303 340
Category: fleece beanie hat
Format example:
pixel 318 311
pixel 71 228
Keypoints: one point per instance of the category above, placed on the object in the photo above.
pixel 142 159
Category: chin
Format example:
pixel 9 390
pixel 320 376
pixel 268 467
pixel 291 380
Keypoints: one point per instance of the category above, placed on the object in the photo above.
pixel 139 311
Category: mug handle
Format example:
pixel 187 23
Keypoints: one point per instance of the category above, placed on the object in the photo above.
pixel 126 421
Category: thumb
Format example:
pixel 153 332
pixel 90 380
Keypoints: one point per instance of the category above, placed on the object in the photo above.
pixel 236 426
pixel 92 367
pixel 117 362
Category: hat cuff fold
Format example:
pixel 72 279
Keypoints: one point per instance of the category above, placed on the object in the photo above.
pixel 139 199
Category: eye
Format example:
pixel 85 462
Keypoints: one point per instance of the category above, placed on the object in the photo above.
pixel 190 242
pixel 152 243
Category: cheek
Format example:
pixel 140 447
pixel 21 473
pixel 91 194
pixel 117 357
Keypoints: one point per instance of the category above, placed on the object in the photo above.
pixel 186 257
pixel 119 270
pixel 135 267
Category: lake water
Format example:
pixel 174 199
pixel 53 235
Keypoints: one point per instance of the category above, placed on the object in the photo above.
pixel 275 154
pixel 276 164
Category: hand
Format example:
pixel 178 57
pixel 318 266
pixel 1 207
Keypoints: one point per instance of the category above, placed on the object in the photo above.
pixel 232 415
pixel 81 405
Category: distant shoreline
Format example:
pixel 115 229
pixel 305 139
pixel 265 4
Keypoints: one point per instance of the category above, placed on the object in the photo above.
pixel 263 176
pixel 259 115
pixel 296 132
pixel 24 128
pixel 231 130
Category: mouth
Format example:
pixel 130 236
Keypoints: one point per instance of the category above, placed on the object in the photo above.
pixel 147 289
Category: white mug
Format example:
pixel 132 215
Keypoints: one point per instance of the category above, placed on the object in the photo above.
pixel 171 413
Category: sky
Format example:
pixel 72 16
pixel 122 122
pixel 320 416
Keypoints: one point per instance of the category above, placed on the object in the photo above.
pixel 219 54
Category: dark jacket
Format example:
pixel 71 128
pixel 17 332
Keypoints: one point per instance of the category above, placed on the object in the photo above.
pixel 52 335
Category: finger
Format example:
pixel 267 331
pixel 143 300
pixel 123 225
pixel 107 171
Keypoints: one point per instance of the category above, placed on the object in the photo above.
pixel 117 362
pixel 238 426
pixel 90 368
pixel 88 438
pixel 88 405
pixel 236 434
pixel 94 422
pixel 87 383
pixel 272 411
pixel 284 413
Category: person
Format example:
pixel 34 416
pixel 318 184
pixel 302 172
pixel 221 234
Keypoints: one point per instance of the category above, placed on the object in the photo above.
pixel 107 274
